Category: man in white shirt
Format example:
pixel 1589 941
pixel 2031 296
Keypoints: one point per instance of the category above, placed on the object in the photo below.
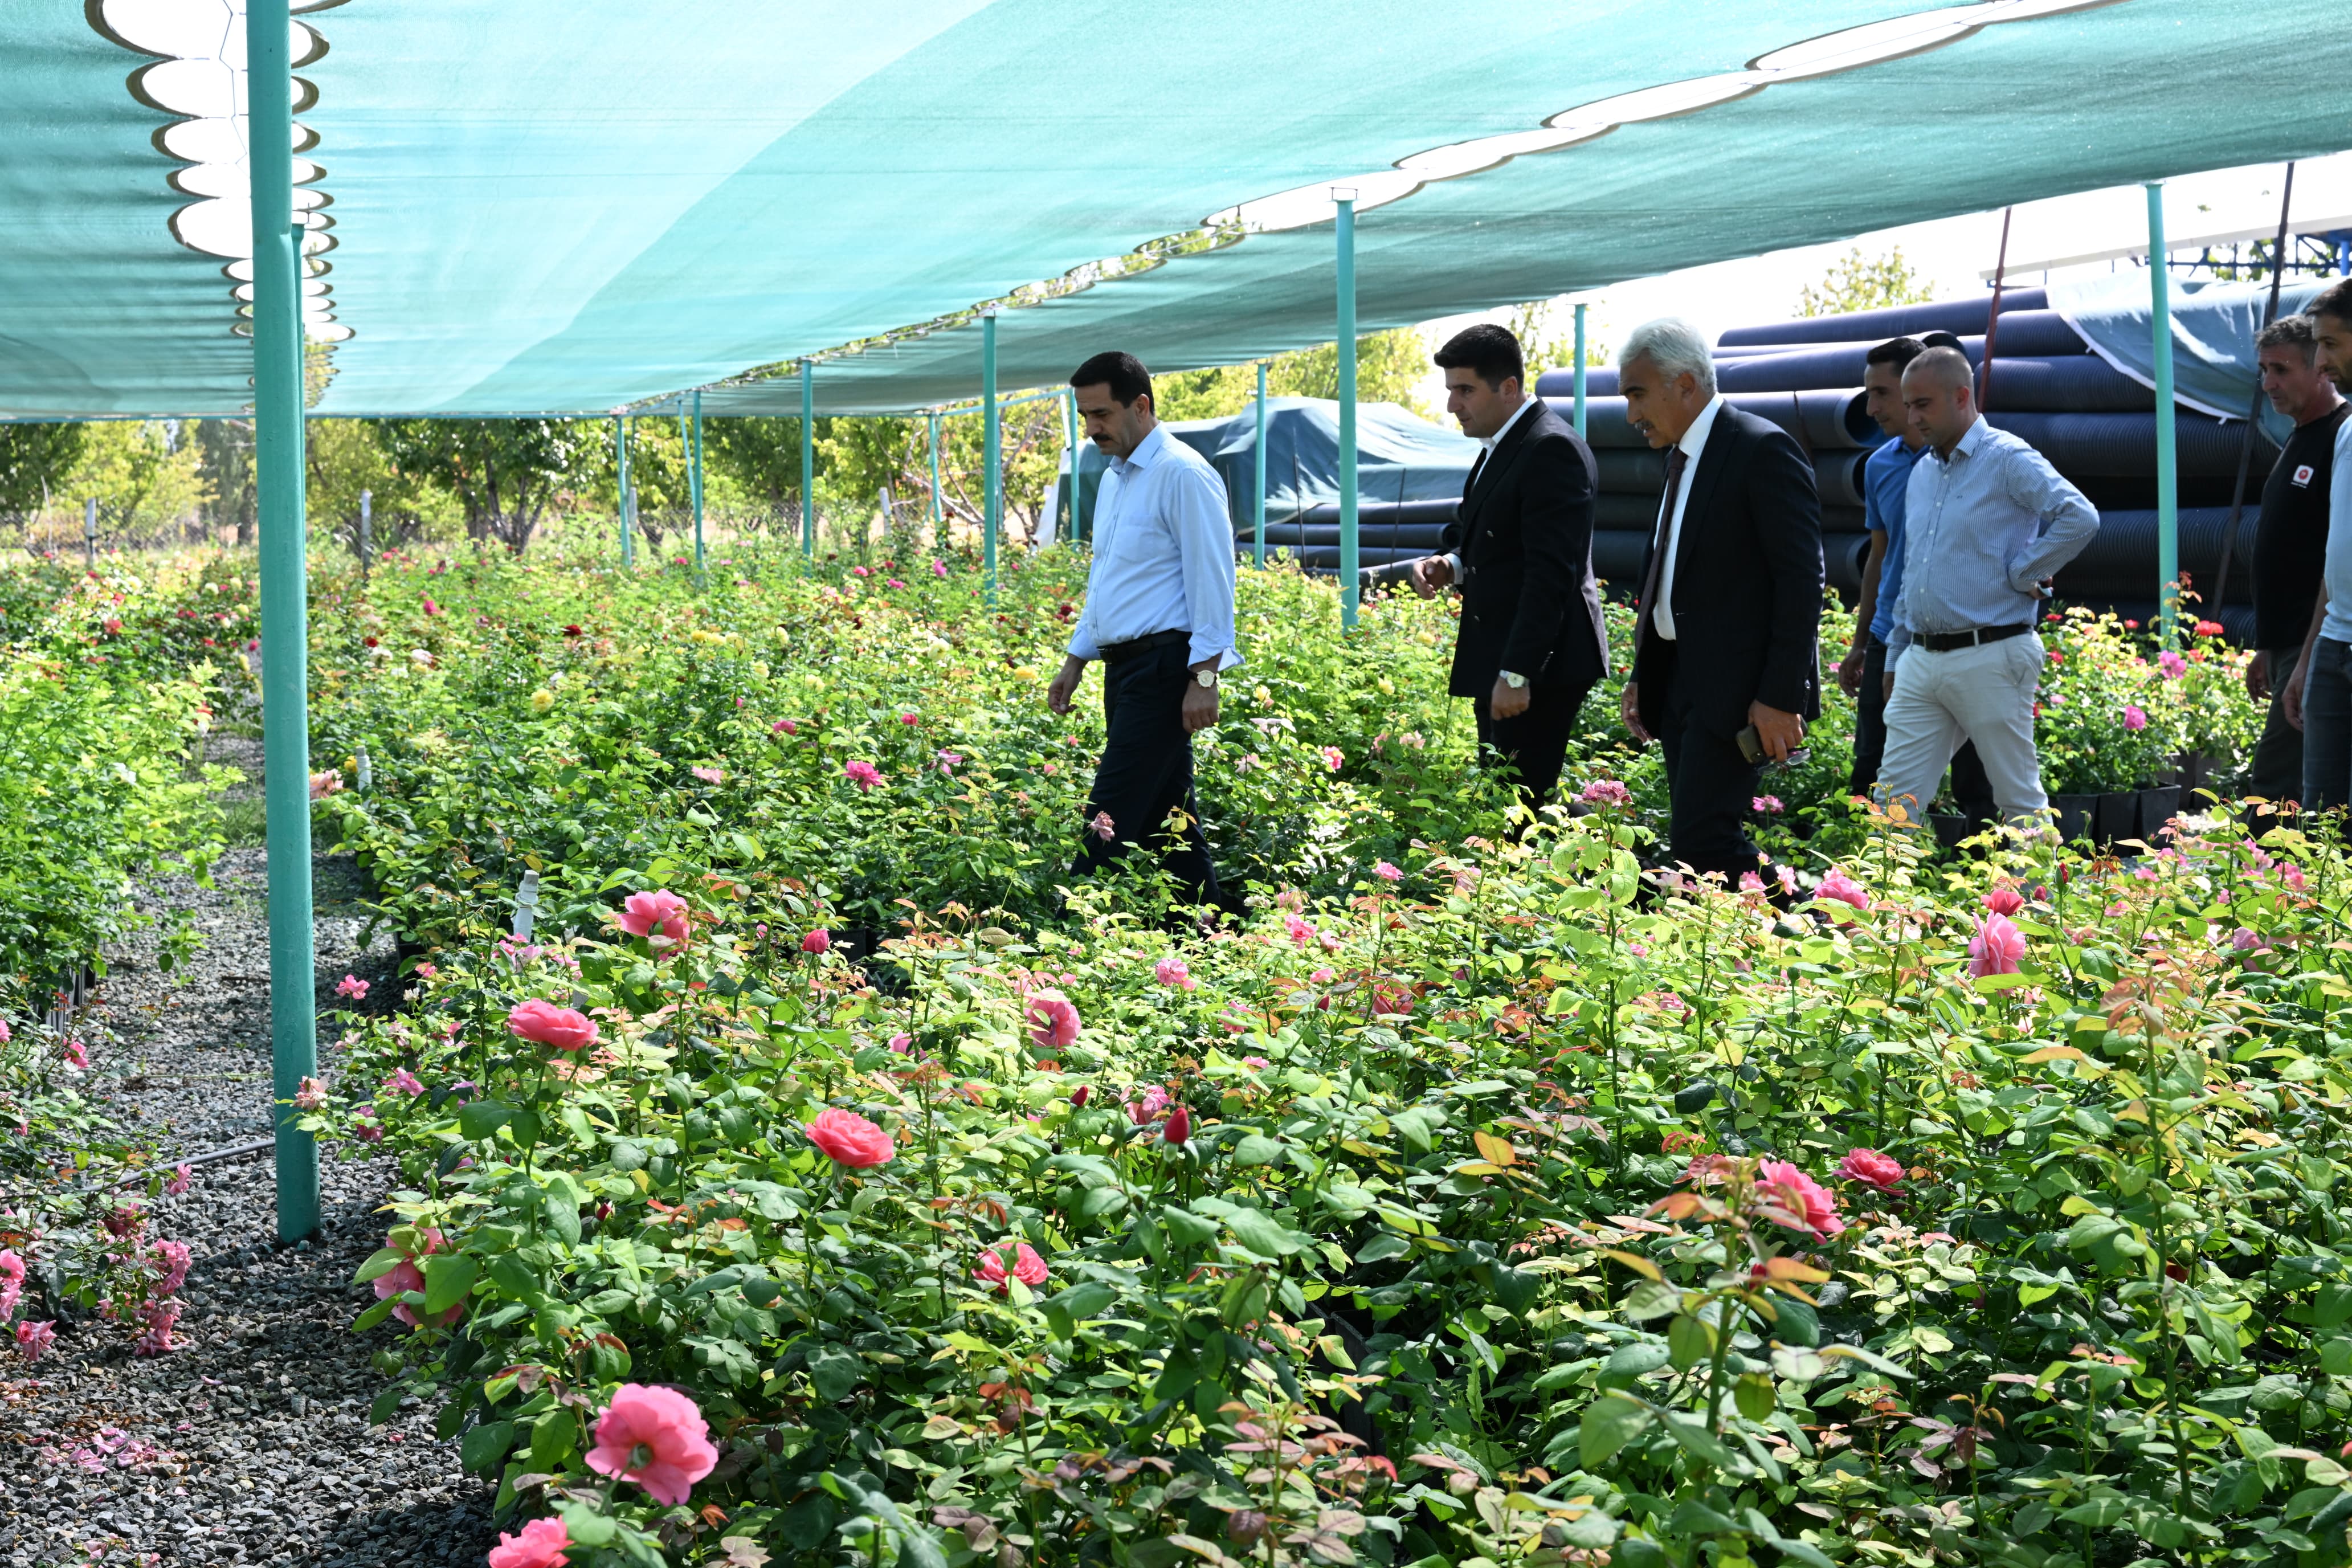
pixel 1726 662
pixel 1160 616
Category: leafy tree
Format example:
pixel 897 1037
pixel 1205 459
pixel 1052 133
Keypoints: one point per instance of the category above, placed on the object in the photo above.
pixel 1389 368
pixel 1546 348
pixel 342 457
pixel 1856 283
pixel 144 473
pixel 225 449
pixel 33 458
pixel 504 472
pixel 762 457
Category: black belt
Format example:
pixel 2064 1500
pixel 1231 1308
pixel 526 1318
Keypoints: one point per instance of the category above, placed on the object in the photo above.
pixel 1114 652
pixel 1945 642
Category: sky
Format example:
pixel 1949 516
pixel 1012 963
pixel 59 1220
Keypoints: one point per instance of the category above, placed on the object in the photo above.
pixel 1956 256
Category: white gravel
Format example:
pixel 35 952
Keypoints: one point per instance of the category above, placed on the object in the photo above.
pixel 250 1445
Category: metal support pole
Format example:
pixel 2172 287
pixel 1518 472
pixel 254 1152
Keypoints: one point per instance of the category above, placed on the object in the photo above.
pixel 1077 437
pixel 939 511
pixel 284 677
pixel 90 533
pixel 2168 477
pixel 621 487
pixel 1579 370
pixel 1349 589
pixel 1257 548
pixel 808 458
pixel 694 482
pixel 989 452
pixel 367 517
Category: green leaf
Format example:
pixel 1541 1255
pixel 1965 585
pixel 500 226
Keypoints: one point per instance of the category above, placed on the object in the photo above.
pixel 1753 1395
pixel 448 1277
pixel 374 1315
pixel 486 1446
pixel 834 1371
pixel 1688 1342
pixel 1796 1322
pixel 383 1262
pixel 385 1404
pixel 1263 1234
pixel 480 1118
pixel 1187 1229
pixel 1652 1299
pixel 1609 1423
pixel 1388 1244
pixel 1257 1149
pixel 2099 1512
pixel 1698 1442
pixel 554 1439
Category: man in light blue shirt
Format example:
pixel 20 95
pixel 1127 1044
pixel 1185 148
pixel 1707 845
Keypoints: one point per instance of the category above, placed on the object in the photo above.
pixel 2319 692
pixel 1986 519
pixel 1160 616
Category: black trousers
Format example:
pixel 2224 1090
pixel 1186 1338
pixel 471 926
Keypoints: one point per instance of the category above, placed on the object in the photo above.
pixel 1971 785
pixel 1712 785
pixel 2276 771
pixel 1532 745
pixel 1146 772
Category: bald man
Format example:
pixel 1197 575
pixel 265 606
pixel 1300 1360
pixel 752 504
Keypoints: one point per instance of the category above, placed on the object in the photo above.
pixel 1985 520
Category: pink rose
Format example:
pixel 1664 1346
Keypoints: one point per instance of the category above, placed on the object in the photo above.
pixel 1996 948
pixel 1606 792
pixel 183 1178
pixel 2004 900
pixel 1801 1197
pixel 783 727
pixel 1053 1021
pixel 541 1544
pixel 709 776
pixel 1173 972
pixel 2135 716
pixel 1386 872
pixel 862 773
pixel 850 1140
pixel 1334 758
pixel 1104 828
pixel 656 1438
pixel 1027 1267
pixel 34 1339
pixel 657 915
pixel 561 1028
pixel 405 1276
pixel 353 986
pixel 1871 1169
pixel 818 940
pixel 1767 803
pixel 1180 1125
pixel 1843 888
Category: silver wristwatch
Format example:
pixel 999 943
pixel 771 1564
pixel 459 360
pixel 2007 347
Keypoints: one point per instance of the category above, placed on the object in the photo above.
pixel 1207 678
pixel 1516 682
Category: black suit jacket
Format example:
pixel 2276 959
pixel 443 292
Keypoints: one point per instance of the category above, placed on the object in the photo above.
pixel 1524 537
pixel 1747 593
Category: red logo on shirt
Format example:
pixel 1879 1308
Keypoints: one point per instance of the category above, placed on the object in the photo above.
pixel 2303 476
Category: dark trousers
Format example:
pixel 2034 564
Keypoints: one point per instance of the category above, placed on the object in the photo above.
pixel 1533 744
pixel 1146 772
pixel 1712 785
pixel 1972 786
pixel 2276 771
pixel 2328 727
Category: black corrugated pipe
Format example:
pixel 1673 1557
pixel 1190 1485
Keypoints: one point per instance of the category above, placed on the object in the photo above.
pixel 1961 316
pixel 1831 420
pixel 2028 334
pixel 2123 444
pixel 2126 543
pixel 1992 317
pixel 2073 383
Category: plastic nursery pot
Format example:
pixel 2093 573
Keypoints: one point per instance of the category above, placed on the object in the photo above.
pixel 2118 816
pixel 2073 814
pixel 1950 829
pixel 2157 807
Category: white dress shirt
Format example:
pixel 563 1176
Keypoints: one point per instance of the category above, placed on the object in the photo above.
pixel 1163 554
pixel 1694 441
pixel 1453 558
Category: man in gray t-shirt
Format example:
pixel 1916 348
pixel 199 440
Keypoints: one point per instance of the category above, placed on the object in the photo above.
pixel 2319 692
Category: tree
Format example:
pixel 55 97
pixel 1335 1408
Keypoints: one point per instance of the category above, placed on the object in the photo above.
pixel 1389 368
pixel 762 456
pixel 34 459
pixel 1856 283
pixel 226 447
pixel 144 474
pixel 504 472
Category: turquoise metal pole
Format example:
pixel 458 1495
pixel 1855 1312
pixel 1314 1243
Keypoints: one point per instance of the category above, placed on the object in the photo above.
pixel 694 481
pixel 1257 548
pixel 1349 590
pixel 285 632
pixel 1077 437
pixel 2168 475
pixel 989 453
pixel 1579 370
pixel 808 457
pixel 938 511
pixel 621 489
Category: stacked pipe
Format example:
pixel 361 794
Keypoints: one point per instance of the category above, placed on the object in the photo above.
pixel 1387 532
pixel 2096 426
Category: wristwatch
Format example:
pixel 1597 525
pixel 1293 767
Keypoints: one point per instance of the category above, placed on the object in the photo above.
pixel 1207 678
pixel 1516 682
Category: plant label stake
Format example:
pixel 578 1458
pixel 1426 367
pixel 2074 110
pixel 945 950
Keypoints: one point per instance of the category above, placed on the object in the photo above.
pixel 89 531
pixel 525 905
pixel 366 774
pixel 367 509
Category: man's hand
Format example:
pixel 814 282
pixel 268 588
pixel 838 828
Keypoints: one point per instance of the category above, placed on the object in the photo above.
pixel 2291 699
pixel 1429 573
pixel 1506 702
pixel 1849 671
pixel 1629 707
pixel 2258 676
pixel 1199 701
pixel 1064 685
pixel 1780 733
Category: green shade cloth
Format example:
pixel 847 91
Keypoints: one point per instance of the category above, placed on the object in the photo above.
pixel 568 208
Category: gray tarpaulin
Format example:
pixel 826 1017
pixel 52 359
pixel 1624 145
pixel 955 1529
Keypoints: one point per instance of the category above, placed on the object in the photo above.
pixel 2213 328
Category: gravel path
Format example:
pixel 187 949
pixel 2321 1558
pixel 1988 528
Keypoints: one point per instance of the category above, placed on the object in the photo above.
pixel 250 1445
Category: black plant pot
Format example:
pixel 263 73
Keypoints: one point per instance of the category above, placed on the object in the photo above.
pixel 1950 829
pixel 2075 813
pixel 2157 807
pixel 2118 816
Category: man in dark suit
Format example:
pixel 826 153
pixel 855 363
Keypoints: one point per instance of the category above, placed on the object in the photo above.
pixel 1729 616
pixel 1531 643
